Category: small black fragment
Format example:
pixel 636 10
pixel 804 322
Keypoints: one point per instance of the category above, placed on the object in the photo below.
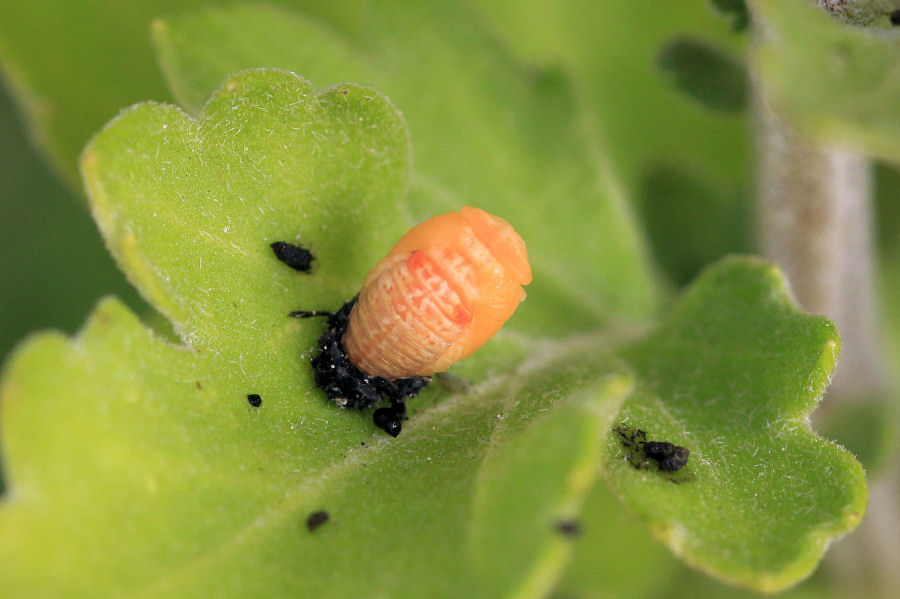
pixel 632 438
pixel 294 256
pixel 254 400
pixel 390 419
pixel 670 457
pixel 384 419
pixel 348 386
pixel 570 528
pixel 317 519
pixel 895 18
pixel 310 313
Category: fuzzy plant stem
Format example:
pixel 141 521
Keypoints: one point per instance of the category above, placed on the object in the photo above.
pixel 815 218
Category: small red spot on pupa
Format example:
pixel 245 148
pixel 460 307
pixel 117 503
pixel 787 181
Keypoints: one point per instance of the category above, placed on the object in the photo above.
pixel 461 315
pixel 416 260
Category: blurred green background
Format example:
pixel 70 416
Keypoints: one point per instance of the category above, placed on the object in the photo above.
pixel 54 265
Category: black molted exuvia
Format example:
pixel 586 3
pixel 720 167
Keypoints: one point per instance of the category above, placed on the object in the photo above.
pixel 668 456
pixel 347 385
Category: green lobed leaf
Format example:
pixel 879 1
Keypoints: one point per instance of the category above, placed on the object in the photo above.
pixel 407 515
pixel 840 84
pixel 138 467
pixel 150 444
pixel 269 160
pixel 496 133
pixel 733 375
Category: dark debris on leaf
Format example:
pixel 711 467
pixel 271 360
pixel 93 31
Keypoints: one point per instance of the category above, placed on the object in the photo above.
pixel 296 257
pixel 317 519
pixel 390 420
pixel 254 399
pixel 640 452
pixel 348 386
pixel 669 456
pixel 569 528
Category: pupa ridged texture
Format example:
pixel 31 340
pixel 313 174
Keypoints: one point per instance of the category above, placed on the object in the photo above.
pixel 446 287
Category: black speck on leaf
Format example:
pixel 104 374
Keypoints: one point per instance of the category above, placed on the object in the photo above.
pixel 254 400
pixel 296 257
pixel 317 519
pixel 668 456
pixel 569 528
pixel 388 420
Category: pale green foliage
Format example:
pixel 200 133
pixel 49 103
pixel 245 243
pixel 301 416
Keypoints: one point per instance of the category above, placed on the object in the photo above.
pixel 135 466
pixel 762 494
pixel 705 73
pixel 528 149
pixel 839 83
pixel 157 443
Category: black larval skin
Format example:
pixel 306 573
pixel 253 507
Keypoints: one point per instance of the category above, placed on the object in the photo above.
pixel 348 386
pixel 669 456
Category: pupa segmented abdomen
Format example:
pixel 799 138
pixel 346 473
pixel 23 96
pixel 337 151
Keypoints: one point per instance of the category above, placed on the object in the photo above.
pixel 443 290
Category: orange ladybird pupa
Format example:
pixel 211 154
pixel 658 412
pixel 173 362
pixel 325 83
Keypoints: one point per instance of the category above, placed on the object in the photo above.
pixel 445 289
